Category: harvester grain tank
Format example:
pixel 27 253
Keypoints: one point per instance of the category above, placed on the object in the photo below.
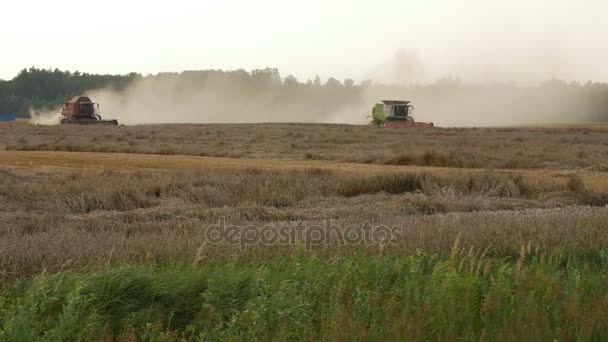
pixel 82 111
pixel 395 113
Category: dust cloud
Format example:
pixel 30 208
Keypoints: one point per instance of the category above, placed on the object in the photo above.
pixel 224 97
pixel 45 117
pixel 238 97
pixel 449 103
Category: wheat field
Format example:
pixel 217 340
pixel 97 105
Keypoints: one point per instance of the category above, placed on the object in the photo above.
pixel 561 147
pixel 195 232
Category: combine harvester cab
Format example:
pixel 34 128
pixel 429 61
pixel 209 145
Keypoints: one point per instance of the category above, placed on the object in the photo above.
pixel 82 111
pixel 391 113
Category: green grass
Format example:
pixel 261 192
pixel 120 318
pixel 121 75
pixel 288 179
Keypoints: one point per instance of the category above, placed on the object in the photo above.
pixel 539 296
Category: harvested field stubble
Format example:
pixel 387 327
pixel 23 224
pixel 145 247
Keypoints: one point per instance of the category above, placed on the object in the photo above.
pixel 508 148
pixel 65 220
pixel 85 192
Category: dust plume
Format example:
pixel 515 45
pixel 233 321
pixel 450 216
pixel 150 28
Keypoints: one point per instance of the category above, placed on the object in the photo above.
pixel 488 63
pixel 48 117
pixel 225 97
pixel 212 96
pixel 452 103
pixel 255 97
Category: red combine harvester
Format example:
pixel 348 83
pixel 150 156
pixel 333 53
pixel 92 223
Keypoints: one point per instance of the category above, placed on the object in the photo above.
pixel 82 111
pixel 392 113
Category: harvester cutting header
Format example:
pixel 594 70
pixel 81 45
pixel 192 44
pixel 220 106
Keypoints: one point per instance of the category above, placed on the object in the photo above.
pixel 392 113
pixel 82 111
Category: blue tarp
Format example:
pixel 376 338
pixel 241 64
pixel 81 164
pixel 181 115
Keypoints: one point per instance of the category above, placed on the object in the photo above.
pixel 7 117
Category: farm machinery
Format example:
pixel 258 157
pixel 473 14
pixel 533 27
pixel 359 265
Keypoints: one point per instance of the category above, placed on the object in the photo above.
pixel 82 111
pixel 391 113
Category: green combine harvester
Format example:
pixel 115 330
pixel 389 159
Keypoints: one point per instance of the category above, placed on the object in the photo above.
pixel 393 113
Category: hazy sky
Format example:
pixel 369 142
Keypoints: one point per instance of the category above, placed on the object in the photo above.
pixel 391 40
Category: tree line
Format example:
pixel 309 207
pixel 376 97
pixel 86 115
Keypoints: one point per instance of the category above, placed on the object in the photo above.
pixel 42 88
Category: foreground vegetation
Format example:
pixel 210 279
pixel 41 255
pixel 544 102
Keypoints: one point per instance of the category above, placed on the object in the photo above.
pixel 537 296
